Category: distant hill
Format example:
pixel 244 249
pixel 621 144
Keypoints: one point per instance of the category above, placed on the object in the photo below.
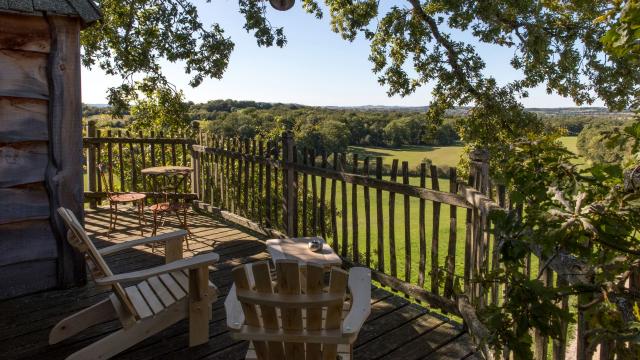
pixel 459 111
pixel 584 111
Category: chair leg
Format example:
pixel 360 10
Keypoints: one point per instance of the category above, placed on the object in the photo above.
pixel 123 339
pixel 115 217
pixel 140 216
pixel 183 222
pixel 110 218
pixel 155 223
pixel 200 299
pixel 71 325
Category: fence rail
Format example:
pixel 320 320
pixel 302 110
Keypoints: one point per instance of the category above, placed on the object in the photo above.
pixel 426 236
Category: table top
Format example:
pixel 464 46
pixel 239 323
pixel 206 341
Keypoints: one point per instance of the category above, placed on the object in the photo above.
pixel 298 249
pixel 167 170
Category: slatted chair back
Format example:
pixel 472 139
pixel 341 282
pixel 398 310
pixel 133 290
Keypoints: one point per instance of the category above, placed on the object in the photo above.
pixel 78 238
pixel 294 306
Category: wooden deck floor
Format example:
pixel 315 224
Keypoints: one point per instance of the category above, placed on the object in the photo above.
pixel 396 329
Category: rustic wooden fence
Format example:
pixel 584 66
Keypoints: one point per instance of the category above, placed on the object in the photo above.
pixel 279 189
pixel 423 236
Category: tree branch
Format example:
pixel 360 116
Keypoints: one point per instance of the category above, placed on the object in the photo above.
pixel 452 54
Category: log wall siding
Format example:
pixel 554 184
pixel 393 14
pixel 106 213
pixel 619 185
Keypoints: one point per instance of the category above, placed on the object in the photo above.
pixel 40 150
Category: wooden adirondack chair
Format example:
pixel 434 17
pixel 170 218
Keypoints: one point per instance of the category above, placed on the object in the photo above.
pixel 165 295
pixel 296 317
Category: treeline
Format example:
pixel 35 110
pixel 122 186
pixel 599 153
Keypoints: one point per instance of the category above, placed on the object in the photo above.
pixel 593 142
pixel 322 128
pixel 334 129
pixel 574 124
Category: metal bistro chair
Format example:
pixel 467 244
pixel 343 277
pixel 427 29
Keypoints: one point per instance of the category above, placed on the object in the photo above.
pixel 170 201
pixel 116 198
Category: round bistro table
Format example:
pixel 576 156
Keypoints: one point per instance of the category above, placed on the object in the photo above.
pixel 175 176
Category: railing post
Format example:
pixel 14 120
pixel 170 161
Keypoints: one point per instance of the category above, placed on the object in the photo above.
pixel 479 176
pixel 288 179
pixel 479 169
pixel 91 163
pixel 195 161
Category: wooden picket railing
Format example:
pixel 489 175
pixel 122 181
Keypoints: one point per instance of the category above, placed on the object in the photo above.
pixel 426 237
pixel 125 155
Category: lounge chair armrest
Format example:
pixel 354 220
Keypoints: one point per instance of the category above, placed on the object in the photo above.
pixel 190 263
pixel 360 287
pixel 153 239
pixel 233 309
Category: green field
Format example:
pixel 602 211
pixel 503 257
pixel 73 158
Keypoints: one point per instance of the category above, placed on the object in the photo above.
pixel 439 155
pixel 571 143
pixel 414 154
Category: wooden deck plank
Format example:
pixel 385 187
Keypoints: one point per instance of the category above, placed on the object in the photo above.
pixel 459 348
pixel 49 313
pixel 391 340
pixel 395 326
pixel 427 343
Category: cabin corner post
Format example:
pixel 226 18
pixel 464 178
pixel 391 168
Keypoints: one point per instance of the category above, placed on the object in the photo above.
pixel 63 179
pixel 91 163
pixel 288 180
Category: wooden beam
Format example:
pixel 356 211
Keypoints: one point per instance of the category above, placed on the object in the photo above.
pixel 64 172
pixel 125 140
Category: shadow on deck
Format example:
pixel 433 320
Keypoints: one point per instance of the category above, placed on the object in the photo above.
pixel 396 329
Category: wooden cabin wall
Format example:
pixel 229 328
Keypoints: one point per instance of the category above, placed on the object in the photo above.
pixel 40 151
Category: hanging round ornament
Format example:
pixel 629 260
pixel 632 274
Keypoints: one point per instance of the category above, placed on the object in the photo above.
pixel 282 5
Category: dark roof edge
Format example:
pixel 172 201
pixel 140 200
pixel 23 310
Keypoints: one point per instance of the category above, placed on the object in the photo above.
pixel 87 10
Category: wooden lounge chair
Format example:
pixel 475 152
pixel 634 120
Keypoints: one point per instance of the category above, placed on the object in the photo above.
pixel 287 320
pixel 164 295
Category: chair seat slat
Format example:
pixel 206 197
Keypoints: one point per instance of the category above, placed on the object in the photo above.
pixel 150 297
pixel 141 306
pixel 161 290
pixel 173 286
pixel 182 280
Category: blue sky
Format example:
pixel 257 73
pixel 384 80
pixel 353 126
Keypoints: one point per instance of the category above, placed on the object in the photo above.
pixel 316 67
